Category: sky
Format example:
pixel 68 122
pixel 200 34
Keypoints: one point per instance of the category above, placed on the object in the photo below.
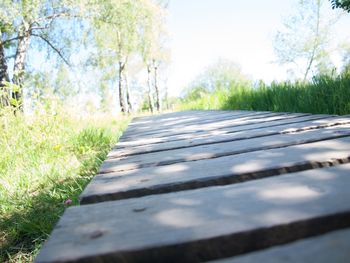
pixel 202 31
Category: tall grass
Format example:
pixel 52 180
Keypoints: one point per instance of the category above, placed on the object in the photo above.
pixel 45 163
pixel 324 94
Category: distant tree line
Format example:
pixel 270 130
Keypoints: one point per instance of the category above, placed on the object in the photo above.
pixel 117 33
pixel 303 45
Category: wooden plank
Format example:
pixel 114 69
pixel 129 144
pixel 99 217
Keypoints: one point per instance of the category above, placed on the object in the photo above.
pixel 187 117
pixel 182 115
pixel 156 139
pixel 330 247
pixel 217 171
pixel 254 132
pixel 213 126
pixel 205 224
pixel 144 120
pixel 216 150
pixel 147 122
pixel 158 122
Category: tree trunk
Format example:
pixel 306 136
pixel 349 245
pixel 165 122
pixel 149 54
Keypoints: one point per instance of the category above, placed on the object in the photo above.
pixel 166 98
pixel 128 101
pixel 120 88
pixel 311 59
pixel 18 69
pixel 149 92
pixel 4 95
pixel 316 41
pixel 158 100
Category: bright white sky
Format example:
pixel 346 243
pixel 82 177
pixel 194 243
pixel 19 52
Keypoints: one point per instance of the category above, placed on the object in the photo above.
pixel 203 31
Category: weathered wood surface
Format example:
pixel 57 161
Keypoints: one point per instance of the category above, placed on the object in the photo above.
pixel 330 247
pixel 208 148
pixel 147 144
pixel 207 185
pixel 215 125
pixel 216 171
pixel 164 123
pixel 200 120
pixel 204 224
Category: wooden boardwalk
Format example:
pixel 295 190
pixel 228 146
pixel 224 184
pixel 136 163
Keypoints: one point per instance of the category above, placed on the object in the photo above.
pixel 223 186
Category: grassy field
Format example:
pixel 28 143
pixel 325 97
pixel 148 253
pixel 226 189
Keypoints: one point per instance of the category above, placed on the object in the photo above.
pixel 45 163
pixel 324 94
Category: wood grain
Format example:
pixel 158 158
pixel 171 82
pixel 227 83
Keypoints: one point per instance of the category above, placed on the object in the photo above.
pixel 220 149
pixel 330 247
pixel 149 142
pixel 230 186
pixel 223 170
pixel 204 224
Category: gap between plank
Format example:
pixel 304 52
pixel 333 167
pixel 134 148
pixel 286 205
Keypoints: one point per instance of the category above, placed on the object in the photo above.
pixel 212 181
pixel 118 147
pixel 130 137
pixel 228 153
pixel 206 121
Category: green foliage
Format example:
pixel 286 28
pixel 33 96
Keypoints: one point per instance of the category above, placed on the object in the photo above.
pixel 224 75
pixel 324 95
pixel 38 18
pixel 195 92
pixel 35 24
pixel 6 90
pixel 344 4
pixel 113 32
pixel 125 31
pixel 45 160
pixel 303 42
pixel 152 33
pixel 115 27
pixel 124 27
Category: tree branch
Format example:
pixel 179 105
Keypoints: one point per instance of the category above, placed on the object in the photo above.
pixel 40 27
pixel 10 40
pixel 53 16
pixel 10 56
pixel 53 47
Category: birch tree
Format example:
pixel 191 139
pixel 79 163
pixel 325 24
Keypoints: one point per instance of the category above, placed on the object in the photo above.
pixel 4 94
pixel 303 42
pixel 116 37
pixel 153 51
pixel 24 21
pixel 122 33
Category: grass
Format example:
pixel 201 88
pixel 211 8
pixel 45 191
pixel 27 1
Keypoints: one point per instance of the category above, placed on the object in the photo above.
pixel 323 95
pixel 48 159
pixel 45 161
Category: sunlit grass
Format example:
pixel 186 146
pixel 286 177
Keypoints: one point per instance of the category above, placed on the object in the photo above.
pixel 45 160
pixel 323 95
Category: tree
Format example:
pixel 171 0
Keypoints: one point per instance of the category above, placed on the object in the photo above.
pixel 120 27
pixel 127 92
pixel 4 96
pixel 223 75
pixel 20 22
pixel 303 42
pixel 153 51
pixel 345 52
pixel 159 60
pixel 116 27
